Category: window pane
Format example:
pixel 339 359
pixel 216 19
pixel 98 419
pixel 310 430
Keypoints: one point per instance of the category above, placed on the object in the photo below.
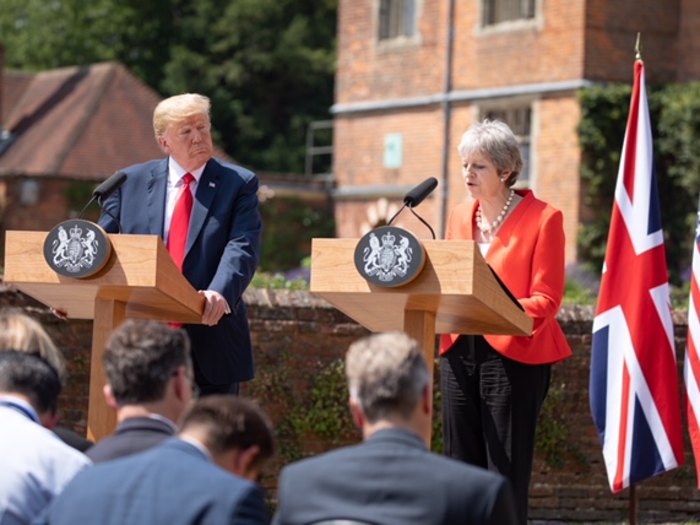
pixel 518 119
pixel 497 11
pixel 396 18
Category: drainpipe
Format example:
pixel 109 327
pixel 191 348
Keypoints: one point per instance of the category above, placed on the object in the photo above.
pixel 447 117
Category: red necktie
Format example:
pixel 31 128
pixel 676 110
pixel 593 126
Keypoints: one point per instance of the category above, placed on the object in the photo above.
pixel 177 237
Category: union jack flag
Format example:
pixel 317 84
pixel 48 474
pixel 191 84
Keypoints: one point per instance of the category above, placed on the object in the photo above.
pixel 691 366
pixel 634 392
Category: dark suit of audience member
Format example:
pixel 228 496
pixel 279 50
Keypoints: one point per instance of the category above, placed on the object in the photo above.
pixel 391 478
pixel 203 476
pixel 149 384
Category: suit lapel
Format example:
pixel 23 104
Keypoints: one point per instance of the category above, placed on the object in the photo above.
pixel 156 193
pixel 206 190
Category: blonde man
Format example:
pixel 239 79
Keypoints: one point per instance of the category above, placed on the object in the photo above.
pixel 206 211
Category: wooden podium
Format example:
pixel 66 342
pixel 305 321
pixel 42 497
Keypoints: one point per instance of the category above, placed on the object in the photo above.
pixel 455 293
pixel 140 281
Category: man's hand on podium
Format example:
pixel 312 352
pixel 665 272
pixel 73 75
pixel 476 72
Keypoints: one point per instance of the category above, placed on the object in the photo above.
pixel 215 307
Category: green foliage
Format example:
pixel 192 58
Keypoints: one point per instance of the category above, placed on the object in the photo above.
pixel 41 34
pixel 78 194
pixel 328 414
pixel 675 123
pixel 267 65
pixel 552 438
pixel 289 226
pixel 278 281
pixel 319 411
pixel 576 293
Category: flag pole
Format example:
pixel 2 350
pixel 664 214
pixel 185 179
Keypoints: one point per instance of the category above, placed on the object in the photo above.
pixel 633 487
pixel 638 48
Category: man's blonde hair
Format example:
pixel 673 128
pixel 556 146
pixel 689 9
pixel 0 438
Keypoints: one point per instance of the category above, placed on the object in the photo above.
pixel 178 108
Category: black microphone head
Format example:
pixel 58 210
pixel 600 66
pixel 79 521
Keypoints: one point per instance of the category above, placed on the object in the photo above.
pixel 419 193
pixel 109 186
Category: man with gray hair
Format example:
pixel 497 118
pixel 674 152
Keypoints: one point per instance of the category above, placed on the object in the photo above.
pixel 391 477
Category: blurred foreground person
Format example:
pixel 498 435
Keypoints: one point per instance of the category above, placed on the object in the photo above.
pixel 150 383
pixel 18 331
pixel 204 476
pixel 35 465
pixel 391 478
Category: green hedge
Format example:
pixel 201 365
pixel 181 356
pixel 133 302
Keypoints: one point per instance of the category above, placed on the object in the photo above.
pixel 675 120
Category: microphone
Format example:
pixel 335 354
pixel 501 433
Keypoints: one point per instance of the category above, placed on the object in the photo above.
pixel 103 191
pixel 414 197
pixel 112 184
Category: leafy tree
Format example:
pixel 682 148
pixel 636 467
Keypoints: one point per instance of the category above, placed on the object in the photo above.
pixel 43 34
pixel 268 66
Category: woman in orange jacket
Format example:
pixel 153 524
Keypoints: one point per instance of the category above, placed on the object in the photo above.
pixel 493 386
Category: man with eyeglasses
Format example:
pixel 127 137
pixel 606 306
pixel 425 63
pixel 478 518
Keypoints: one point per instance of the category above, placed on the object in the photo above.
pixel 150 385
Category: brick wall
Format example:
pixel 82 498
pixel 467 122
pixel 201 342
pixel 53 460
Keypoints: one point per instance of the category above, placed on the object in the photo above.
pixel 611 33
pixel 569 40
pixel 298 338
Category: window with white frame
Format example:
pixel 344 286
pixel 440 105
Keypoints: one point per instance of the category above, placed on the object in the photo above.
pixel 497 11
pixel 397 18
pixel 519 120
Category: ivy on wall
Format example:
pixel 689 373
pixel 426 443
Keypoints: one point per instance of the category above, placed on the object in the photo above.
pixel 675 121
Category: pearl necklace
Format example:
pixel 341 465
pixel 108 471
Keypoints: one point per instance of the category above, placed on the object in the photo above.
pixel 488 228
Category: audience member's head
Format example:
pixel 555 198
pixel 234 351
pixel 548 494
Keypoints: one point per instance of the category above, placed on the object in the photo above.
pixel 148 364
pixel 389 383
pixel 32 378
pixel 18 331
pixel 235 431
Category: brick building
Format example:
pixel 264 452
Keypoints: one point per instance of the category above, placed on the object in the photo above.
pixel 405 91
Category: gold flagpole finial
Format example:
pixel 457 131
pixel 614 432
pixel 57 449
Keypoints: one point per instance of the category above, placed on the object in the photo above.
pixel 638 47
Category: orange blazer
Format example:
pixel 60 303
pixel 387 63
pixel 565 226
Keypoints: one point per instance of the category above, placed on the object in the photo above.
pixel 528 255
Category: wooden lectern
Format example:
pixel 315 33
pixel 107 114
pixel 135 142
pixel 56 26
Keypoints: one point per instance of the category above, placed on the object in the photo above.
pixel 455 293
pixel 140 281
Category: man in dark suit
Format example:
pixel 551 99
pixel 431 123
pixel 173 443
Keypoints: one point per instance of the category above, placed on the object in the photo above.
pixel 391 477
pixel 150 385
pixel 216 242
pixel 204 476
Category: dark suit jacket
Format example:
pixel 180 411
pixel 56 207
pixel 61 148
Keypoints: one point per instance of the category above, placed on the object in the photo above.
pixel 172 484
pixel 73 439
pixel 222 253
pixel 133 435
pixel 392 479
